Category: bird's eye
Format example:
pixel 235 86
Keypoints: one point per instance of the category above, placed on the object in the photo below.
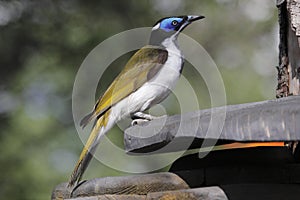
pixel 174 23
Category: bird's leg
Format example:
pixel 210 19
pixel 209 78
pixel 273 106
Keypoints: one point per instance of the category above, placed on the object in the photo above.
pixel 140 117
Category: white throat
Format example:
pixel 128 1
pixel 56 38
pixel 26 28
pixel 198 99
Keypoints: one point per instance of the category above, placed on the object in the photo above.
pixel 171 44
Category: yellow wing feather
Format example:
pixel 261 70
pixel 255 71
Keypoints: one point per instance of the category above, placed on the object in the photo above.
pixel 142 66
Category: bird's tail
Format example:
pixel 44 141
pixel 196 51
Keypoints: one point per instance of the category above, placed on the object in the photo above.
pixel 89 149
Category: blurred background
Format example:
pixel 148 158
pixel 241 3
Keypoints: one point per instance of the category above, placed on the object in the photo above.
pixel 44 42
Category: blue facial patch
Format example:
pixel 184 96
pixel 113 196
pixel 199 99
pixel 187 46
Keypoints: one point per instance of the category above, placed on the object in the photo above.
pixel 170 24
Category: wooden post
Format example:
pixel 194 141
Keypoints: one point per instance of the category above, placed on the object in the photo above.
pixel 289 48
pixel 289 54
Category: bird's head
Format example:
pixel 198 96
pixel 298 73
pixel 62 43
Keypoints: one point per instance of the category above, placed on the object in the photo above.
pixel 170 27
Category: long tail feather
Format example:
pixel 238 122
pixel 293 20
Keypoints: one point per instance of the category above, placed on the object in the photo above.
pixel 88 150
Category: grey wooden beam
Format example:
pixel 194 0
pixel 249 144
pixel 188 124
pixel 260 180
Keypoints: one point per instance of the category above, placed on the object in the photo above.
pixel 205 193
pixel 112 197
pixel 272 120
pixel 123 185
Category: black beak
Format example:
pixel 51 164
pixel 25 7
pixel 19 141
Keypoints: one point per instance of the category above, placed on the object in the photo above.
pixel 192 18
pixel 189 20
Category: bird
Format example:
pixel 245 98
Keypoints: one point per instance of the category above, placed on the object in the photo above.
pixel 146 80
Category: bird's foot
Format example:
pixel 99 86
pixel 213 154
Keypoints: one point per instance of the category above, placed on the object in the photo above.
pixel 139 118
pixel 139 121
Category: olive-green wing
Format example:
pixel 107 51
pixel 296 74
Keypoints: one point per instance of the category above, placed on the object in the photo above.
pixel 141 67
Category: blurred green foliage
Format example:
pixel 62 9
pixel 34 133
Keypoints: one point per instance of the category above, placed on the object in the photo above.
pixel 43 44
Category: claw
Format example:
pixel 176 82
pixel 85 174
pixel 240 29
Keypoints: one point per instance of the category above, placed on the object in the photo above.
pixel 139 121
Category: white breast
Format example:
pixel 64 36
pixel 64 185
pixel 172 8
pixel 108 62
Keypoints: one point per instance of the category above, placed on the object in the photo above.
pixel 156 89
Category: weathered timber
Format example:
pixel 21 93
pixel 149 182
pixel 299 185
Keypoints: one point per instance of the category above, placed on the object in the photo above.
pixel 205 193
pixel 138 184
pixel 272 120
pixel 289 53
pixel 282 89
pixel 289 48
pixel 293 38
pixel 112 197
